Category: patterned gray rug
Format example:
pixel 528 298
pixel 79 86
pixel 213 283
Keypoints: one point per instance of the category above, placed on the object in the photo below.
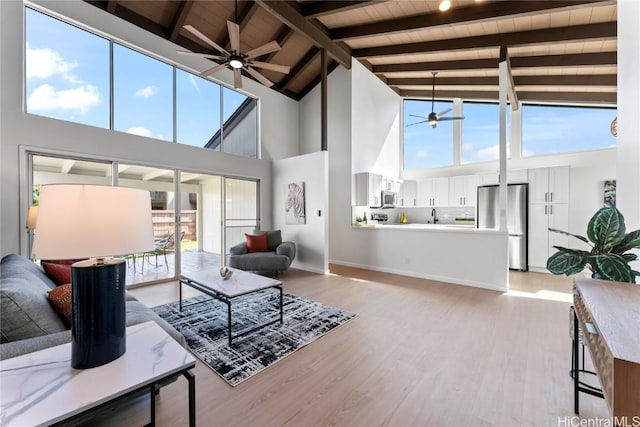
pixel 203 322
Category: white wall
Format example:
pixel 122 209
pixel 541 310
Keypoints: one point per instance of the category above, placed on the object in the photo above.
pixel 375 126
pixel 628 155
pixel 311 238
pixel 279 121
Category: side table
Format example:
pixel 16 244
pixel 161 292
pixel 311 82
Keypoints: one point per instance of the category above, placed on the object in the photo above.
pixel 41 388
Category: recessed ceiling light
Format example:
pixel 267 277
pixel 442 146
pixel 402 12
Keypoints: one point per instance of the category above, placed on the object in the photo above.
pixel 444 5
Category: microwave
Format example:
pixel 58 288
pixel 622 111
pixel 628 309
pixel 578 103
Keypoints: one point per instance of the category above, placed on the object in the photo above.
pixel 388 199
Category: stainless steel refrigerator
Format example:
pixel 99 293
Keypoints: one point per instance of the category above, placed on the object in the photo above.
pixel 488 216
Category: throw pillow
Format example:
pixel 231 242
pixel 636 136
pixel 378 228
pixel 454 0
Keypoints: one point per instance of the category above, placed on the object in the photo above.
pixel 60 299
pixel 59 273
pixel 257 242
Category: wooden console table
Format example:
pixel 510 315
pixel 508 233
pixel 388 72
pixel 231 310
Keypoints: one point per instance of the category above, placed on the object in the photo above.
pixel 609 315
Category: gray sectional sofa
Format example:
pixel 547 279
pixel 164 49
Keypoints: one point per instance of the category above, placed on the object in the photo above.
pixel 29 323
pixel 276 260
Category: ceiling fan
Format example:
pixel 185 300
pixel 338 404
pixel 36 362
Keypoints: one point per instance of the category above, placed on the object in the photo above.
pixel 236 60
pixel 434 118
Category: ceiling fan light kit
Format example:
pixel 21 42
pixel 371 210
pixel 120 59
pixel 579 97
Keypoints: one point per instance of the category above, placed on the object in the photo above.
pixel 235 59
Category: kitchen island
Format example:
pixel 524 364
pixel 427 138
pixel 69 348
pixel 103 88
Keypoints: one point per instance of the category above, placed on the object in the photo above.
pixel 453 253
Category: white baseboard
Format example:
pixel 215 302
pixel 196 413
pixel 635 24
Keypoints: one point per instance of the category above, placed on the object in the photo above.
pixel 445 279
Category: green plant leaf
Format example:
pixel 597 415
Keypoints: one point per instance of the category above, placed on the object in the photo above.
pixel 606 228
pixel 611 267
pixel 630 257
pixel 630 241
pixel 567 261
pixel 584 239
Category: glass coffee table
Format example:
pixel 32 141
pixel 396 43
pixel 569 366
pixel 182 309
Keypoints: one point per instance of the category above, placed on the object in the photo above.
pixel 209 282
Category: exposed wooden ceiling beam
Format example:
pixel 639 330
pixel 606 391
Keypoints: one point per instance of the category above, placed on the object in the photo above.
pixel 179 19
pixel 283 35
pixel 559 97
pixel 511 86
pixel 308 88
pixel 288 12
pixel 551 80
pixel 315 9
pixel 300 65
pixel 472 14
pixel 571 60
pixel 244 16
pixel 600 31
pixel 111 6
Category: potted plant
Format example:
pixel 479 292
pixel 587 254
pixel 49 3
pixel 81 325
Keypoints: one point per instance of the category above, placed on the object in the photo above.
pixel 608 258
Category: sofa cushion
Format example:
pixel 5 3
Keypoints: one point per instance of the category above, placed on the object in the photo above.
pixel 25 311
pixel 60 299
pixel 17 266
pixel 59 273
pixel 257 242
pixel 260 261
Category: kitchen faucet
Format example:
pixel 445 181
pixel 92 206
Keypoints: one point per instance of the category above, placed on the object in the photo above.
pixel 434 216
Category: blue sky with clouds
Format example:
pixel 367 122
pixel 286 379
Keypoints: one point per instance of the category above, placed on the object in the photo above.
pixel 68 78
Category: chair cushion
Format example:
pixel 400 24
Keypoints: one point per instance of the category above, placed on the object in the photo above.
pixel 25 311
pixel 257 242
pixel 274 238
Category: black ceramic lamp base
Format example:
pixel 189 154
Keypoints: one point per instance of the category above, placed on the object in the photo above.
pixel 98 329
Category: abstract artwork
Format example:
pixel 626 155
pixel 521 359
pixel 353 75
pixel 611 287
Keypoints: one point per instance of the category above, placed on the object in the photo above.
pixel 294 205
pixel 610 193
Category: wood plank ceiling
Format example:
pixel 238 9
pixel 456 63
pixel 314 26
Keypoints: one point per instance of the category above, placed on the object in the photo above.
pixel 560 51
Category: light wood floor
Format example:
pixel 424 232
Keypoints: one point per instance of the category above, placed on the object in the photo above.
pixel 419 353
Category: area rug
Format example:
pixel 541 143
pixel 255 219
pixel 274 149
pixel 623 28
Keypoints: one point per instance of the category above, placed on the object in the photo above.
pixel 203 322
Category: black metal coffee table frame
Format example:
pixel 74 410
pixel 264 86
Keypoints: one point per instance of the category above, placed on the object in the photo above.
pixel 227 300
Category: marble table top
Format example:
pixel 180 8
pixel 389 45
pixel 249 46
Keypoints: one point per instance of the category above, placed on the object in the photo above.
pixel 41 388
pixel 240 282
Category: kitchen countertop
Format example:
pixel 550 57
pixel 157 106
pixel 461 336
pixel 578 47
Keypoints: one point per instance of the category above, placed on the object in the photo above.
pixel 457 228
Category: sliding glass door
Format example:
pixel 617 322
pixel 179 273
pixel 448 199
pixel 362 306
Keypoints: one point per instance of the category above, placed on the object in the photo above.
pixel 186 210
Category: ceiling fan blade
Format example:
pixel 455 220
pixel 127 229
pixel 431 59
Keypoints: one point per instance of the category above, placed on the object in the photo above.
pixel 203 55
pixel 204 38
pixel 440 119
pixel 442 113
pixel 237 78
pixel 210 71
pixel 234 36
pixel 421 117
pixel 417 123
pixel 284 69
pixel 272 46
pixel 259 77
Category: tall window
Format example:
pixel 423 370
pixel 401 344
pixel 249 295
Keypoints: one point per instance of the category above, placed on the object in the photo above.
pixel 425 146
pixel 67 71
pixel 481 132
pixel 197 110
pixel 142 94
pixel 67 77
pixel 550 129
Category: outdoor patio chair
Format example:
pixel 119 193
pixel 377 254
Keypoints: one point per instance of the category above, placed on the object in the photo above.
pixel 163 246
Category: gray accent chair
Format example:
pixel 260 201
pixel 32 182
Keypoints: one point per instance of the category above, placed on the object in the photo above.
pixel 276 260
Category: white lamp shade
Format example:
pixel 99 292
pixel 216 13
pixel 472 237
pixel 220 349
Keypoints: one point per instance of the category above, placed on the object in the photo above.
pixel 32 217
pixel 86 221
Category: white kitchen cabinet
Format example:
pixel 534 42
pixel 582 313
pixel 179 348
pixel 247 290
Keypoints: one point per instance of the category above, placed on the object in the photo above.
pixel 433 192
pixel 409 193
pixel 516 176
pixel 548 208
pixel 543 216
pixel 549 185
pixel 368 188
pixel 463 190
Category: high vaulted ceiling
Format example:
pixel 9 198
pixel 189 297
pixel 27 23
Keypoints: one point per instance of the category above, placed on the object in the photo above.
pixel 560 51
